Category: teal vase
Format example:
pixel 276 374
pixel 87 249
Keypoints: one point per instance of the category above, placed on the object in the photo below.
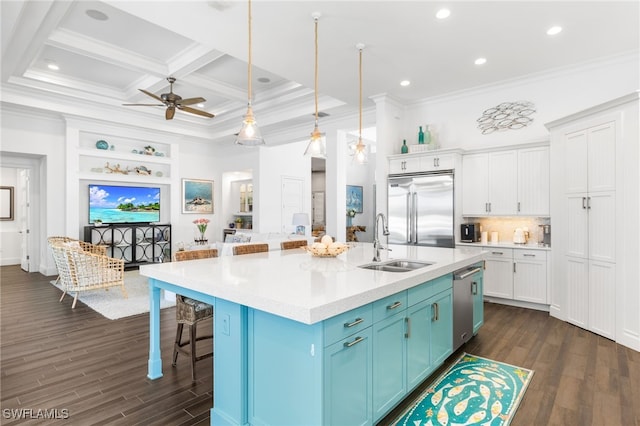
pixel 420 136
pixel 404 148
pixel 427 135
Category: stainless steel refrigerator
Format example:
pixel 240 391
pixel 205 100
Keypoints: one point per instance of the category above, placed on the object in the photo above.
pixel 420 209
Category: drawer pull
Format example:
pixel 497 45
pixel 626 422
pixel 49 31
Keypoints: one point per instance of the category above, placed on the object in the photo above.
pixel 529 255
pixel 351 324
pixel 497 252
pixel 355 342
pixel 474 288
pixel 407 321
pixel 394 305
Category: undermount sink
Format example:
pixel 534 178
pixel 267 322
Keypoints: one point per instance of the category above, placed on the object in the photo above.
pixel 396 265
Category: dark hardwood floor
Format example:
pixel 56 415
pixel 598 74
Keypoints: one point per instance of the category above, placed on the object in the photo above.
pixel 94 369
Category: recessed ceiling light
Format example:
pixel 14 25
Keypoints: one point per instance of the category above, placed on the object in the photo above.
pixel 264 80
pixel 443 13
pixel 200 105
pixel 480 61
pixel 405 83
pixel 96 14
pixel 53 66
pixel 554 30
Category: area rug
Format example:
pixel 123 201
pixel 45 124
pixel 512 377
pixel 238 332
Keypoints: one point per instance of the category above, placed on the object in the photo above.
pixel 112 304
pixel 474 390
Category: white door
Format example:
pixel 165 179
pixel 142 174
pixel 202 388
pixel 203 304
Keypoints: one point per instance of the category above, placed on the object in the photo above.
pixel 292 201
pixel 577 281
pixel 602 298
pixel 24 217
pixel 503 183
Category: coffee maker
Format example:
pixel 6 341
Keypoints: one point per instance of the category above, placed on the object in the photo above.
pixel 470 232
pixel 544 235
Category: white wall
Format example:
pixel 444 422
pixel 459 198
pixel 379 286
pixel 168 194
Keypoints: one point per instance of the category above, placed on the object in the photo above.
pixel 9 235
pixel 555 95
pixel 31 138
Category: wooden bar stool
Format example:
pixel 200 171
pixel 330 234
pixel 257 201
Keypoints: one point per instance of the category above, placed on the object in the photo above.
pixel 190 312
pixel 288 245
pixel 250 248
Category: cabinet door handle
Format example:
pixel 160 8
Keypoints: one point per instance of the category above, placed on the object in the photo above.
pixel 474 288
pixel 351 324
pixel 588 203
pixel 489 207
pixel 514 267
pixel 436 312
pixel 407 322
pixel 518 206
pixel 394 305
pixel 486 207
pixel 584 202
pixel 355 342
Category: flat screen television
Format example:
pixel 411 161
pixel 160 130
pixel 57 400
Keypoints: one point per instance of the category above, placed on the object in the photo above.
pixel 123 204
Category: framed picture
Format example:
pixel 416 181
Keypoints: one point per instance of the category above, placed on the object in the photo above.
pixel 354 198
pixel 197 196
pixel 6 202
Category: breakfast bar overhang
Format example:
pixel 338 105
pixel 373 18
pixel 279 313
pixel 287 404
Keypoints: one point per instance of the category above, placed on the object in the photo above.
pixel 283 322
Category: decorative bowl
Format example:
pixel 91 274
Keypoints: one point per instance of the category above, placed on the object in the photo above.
pixel 102 144
pixel 331 251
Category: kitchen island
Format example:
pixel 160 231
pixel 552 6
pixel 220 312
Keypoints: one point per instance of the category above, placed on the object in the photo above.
pixel 298 338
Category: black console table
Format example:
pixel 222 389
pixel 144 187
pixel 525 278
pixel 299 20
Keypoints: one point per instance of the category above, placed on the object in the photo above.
pixel 137 244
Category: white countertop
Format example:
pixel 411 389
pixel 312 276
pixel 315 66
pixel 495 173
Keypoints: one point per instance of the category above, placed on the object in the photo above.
pixel 506 244
pixel 295 285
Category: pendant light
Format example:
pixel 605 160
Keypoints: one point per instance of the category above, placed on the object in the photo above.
pixel 249 133
pixel 360 155
pixel 317 146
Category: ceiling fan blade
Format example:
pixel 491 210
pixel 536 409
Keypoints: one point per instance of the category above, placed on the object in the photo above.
pixel 154 96
pixel 191 101
pixel 143 104
pixel 171 111
pixel 196 111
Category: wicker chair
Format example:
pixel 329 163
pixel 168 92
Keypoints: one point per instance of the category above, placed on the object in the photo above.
pixel 81 270
pixel 190 312
pixel 251 248
pixel 88 247
pixel 288 245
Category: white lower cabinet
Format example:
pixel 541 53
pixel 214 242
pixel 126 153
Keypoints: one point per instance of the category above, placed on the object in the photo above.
pixel 517 274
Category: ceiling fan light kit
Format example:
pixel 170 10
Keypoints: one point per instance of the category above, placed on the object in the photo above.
pixel 173 101
pixel 249 134
pixel 317 146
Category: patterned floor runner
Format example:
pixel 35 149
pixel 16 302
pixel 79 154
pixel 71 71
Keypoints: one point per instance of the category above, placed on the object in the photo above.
pixel 474 390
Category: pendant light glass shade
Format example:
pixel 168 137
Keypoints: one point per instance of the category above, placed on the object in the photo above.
pixel 317 146
pixel 360 150
pixel 249 133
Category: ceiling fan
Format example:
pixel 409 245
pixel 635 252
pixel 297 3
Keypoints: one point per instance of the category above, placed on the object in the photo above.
pixel 173 101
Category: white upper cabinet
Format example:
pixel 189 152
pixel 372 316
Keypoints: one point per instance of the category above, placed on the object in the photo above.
pixel 533 181
pixel 506 183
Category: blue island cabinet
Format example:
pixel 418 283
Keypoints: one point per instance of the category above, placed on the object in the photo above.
pixel 477 290
pixel 351 369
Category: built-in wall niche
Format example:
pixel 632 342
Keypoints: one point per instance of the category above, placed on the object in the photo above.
pixel 239 209
pixel 123 159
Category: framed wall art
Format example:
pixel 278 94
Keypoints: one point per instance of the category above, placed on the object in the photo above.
pixel 6 203
pixel 197 196
pixel 354 198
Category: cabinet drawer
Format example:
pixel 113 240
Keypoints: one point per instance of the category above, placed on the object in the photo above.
pixel 344 325
pixel 500 253
pixel 405 165
pixel 424 291
pixel 389 306
pixel 437 162
pixel 530 255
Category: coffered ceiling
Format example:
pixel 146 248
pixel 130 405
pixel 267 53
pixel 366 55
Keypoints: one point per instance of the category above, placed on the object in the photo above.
pixel 106 51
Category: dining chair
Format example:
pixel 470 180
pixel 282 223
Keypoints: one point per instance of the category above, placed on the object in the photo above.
pixel 250 248
pixel 190 312
pixel 292 244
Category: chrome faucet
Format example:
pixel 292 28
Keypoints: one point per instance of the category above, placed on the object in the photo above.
pixel 376 242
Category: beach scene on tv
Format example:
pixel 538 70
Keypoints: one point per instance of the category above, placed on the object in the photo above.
pixel 123 204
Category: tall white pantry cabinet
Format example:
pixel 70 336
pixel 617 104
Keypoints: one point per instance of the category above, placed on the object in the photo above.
pixel 595 215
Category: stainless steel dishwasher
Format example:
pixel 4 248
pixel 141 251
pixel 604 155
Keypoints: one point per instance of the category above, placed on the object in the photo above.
pixel 463 282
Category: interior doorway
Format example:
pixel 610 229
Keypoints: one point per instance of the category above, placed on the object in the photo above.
pixel 318 196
